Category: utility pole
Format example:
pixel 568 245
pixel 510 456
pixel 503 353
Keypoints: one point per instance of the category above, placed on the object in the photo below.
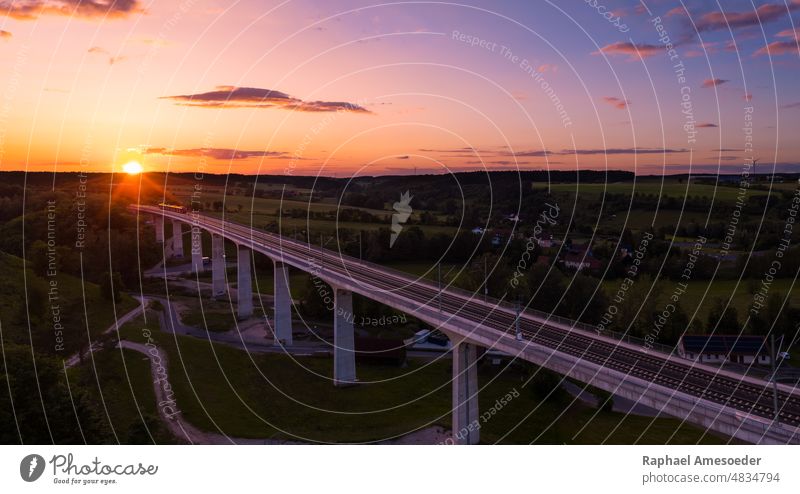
pixel 485 281
pixel 516 322
pixel 774 372
pixel 321 254
pixel 755 173
pixel 359 244
pixel 439 272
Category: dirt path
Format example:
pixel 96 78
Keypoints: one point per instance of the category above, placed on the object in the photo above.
pixel 171 415
pixel 75 358
pixel 168 409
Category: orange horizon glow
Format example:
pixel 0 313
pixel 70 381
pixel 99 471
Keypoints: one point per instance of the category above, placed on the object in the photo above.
pixel 346 88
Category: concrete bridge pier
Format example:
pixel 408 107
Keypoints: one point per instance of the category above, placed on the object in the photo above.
pixel 282 326
pixel 158 223
pixel 466 427
pixel 244 283
pixel 217 266
pixel 197 250
pixel 344 357
pixel 177 239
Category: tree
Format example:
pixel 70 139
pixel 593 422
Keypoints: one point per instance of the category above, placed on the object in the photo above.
pixel 110 286
pixel 317 300
pixel 547 285
pixel 44 409
pixel 142 431
pixel 675 326
pixel 38 257
pixel 499 277
pixel 582 301
pixel 546 386
pixel 722 320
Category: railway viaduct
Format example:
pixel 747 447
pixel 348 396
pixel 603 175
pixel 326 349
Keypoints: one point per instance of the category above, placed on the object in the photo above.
pixel 714 399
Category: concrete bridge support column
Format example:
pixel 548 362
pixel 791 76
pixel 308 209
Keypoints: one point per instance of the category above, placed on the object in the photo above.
pixel 244 284
pixel 282 326
pixel 217 266
pixel 177 239
pixel 158 223
pixel 465 394
pixel 197 250
pixel 344 357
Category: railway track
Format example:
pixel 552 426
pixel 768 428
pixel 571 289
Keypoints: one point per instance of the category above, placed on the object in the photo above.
pixel 692 379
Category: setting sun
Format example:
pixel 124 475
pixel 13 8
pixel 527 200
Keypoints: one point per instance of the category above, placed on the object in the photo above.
pixel 132 168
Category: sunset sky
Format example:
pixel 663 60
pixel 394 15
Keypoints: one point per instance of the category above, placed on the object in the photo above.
pixel 337 87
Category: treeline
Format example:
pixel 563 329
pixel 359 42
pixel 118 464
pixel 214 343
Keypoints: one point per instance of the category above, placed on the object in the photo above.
pixel 56 230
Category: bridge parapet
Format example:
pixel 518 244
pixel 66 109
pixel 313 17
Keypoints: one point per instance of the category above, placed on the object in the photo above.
pixel 694 409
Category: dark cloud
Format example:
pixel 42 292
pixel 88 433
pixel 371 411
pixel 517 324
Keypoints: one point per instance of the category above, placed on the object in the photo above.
pixel 567 152
pixel 252 97
pixel 457 150
pixel 713 82
pixel 530 154
pixel 796 104
pixel 499 162
pixel 32 9
pixel 5 34
pixel 633 50
pixel 215 153
pixel 707 126
pixel 617 103
pixel 403 157
pixel 625 151
pixel 544 153
pixel 727 150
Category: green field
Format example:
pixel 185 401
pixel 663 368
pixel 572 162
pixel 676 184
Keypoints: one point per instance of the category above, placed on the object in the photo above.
pixel 261 212
pixel 81 306
pixel 122 382
pixel 270 205
pixel 700 295
pixel 670 188
pixel 219 388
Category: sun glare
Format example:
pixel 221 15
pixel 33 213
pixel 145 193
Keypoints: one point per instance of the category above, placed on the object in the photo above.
pixel 132 168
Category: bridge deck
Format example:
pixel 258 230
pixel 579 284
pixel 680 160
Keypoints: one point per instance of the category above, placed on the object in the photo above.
pixel 471 316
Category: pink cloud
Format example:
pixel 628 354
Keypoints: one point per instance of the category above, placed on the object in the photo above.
pixel 765 13
pixel 618 103
pixel 781 47
pixel 778 48
pixel 713 82
pixel 634 51
pixel 253 97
